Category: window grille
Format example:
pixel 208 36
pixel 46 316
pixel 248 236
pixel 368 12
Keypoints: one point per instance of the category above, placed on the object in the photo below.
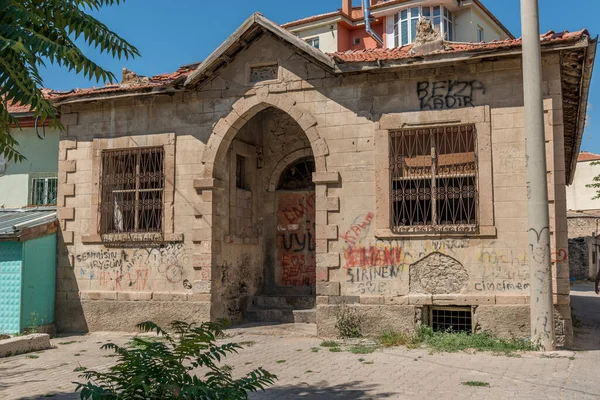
pixel 132 184
pixel 298 176
pixel 455 319
pixel 44 191
pixel 433 175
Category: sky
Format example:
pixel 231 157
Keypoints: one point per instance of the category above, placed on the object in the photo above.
pixel 178 32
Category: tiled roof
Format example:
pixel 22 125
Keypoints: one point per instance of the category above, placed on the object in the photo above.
pixel 154 81
pixel 587 156
pixel 380 54
pixel 312 18
pixel 355 15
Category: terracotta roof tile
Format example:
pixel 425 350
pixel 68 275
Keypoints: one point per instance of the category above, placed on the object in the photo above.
pixel 587 156
pixel 154 81
pixel 399 53
pixel 312 18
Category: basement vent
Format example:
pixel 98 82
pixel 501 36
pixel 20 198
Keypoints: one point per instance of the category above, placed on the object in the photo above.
pixel 455 319
pixel 263 73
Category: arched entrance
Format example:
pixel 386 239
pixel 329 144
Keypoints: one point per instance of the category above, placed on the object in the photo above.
pixel 263 249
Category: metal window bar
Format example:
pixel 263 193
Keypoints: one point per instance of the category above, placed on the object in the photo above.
pixel 452 319
pixel 132 186
pixel 44 191
pixel 433 173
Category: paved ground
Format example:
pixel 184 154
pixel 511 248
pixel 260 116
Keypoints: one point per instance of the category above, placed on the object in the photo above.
pixel 389 374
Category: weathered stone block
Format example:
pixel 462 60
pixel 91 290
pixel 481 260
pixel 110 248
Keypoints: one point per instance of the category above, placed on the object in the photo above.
pixel 160 296
pixel 134 296
pixel 328 289
pixel 328 260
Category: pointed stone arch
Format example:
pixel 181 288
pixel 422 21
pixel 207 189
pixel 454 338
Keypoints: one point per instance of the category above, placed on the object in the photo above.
pixel 247 107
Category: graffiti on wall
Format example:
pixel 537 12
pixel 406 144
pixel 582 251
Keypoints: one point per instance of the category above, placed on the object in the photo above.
pixel 296 239
pixel 441 95
pixel 132 269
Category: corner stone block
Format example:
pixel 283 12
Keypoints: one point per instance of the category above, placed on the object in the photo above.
pixel 67 166
pixel 327 232
pixel 66 190
pixel 328 204
pixel 202 235
pixel 66 213
pixel 328 260
pixel 328 288
pixel 68 144
pixel 68 237
pixel 320 178
pixel 322 299
pixel 322 274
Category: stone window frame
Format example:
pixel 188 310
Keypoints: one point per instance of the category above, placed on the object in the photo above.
pixel 251 65
pixel 480 117
pixel 164 140
pixel 249 152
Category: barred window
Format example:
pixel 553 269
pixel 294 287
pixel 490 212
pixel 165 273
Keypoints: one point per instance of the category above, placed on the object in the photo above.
pixel 433 179
pixel 133 182
pixel 43 190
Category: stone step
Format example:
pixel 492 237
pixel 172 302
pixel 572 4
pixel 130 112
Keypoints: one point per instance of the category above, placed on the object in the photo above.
pixel 285 302
pixel 258 314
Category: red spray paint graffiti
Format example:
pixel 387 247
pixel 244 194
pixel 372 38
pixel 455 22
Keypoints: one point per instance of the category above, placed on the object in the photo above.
pixel 296 239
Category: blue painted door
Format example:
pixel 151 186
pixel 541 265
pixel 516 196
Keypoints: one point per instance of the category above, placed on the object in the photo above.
pixel 10 287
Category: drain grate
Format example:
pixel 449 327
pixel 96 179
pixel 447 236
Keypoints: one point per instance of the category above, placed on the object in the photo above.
pixel 453 319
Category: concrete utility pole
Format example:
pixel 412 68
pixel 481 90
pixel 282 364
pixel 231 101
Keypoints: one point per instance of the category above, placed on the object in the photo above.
pixel 540 267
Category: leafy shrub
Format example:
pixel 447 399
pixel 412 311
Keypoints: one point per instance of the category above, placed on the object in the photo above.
pixel 348 323
pixel 164 369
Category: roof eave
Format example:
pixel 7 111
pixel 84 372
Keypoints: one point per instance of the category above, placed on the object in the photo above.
pixel 432 59
pixel 588 69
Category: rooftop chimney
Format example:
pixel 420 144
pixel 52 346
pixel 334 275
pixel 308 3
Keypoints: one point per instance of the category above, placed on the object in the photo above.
pixel 347 7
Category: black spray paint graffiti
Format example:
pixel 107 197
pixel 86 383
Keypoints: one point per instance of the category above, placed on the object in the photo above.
pixel 103 259
pixel 447 94
pixel 119 269
pixel 298 242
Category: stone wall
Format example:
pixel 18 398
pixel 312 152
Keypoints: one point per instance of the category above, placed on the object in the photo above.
pixel 344 121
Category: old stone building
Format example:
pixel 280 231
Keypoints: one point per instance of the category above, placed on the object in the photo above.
pixel 276 182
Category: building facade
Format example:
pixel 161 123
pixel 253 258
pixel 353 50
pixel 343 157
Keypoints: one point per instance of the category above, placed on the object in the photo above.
pixel 33 181
pixel 584 218
pixel 393 24
pixel 275 182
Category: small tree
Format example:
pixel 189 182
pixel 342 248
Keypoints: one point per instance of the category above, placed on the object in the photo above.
pixel 36 32
pixel 596 184
pixel 164 369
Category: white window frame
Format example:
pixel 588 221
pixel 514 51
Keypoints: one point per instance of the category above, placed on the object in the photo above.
pixel 45 178
pixel 444 22
pixel 311 41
